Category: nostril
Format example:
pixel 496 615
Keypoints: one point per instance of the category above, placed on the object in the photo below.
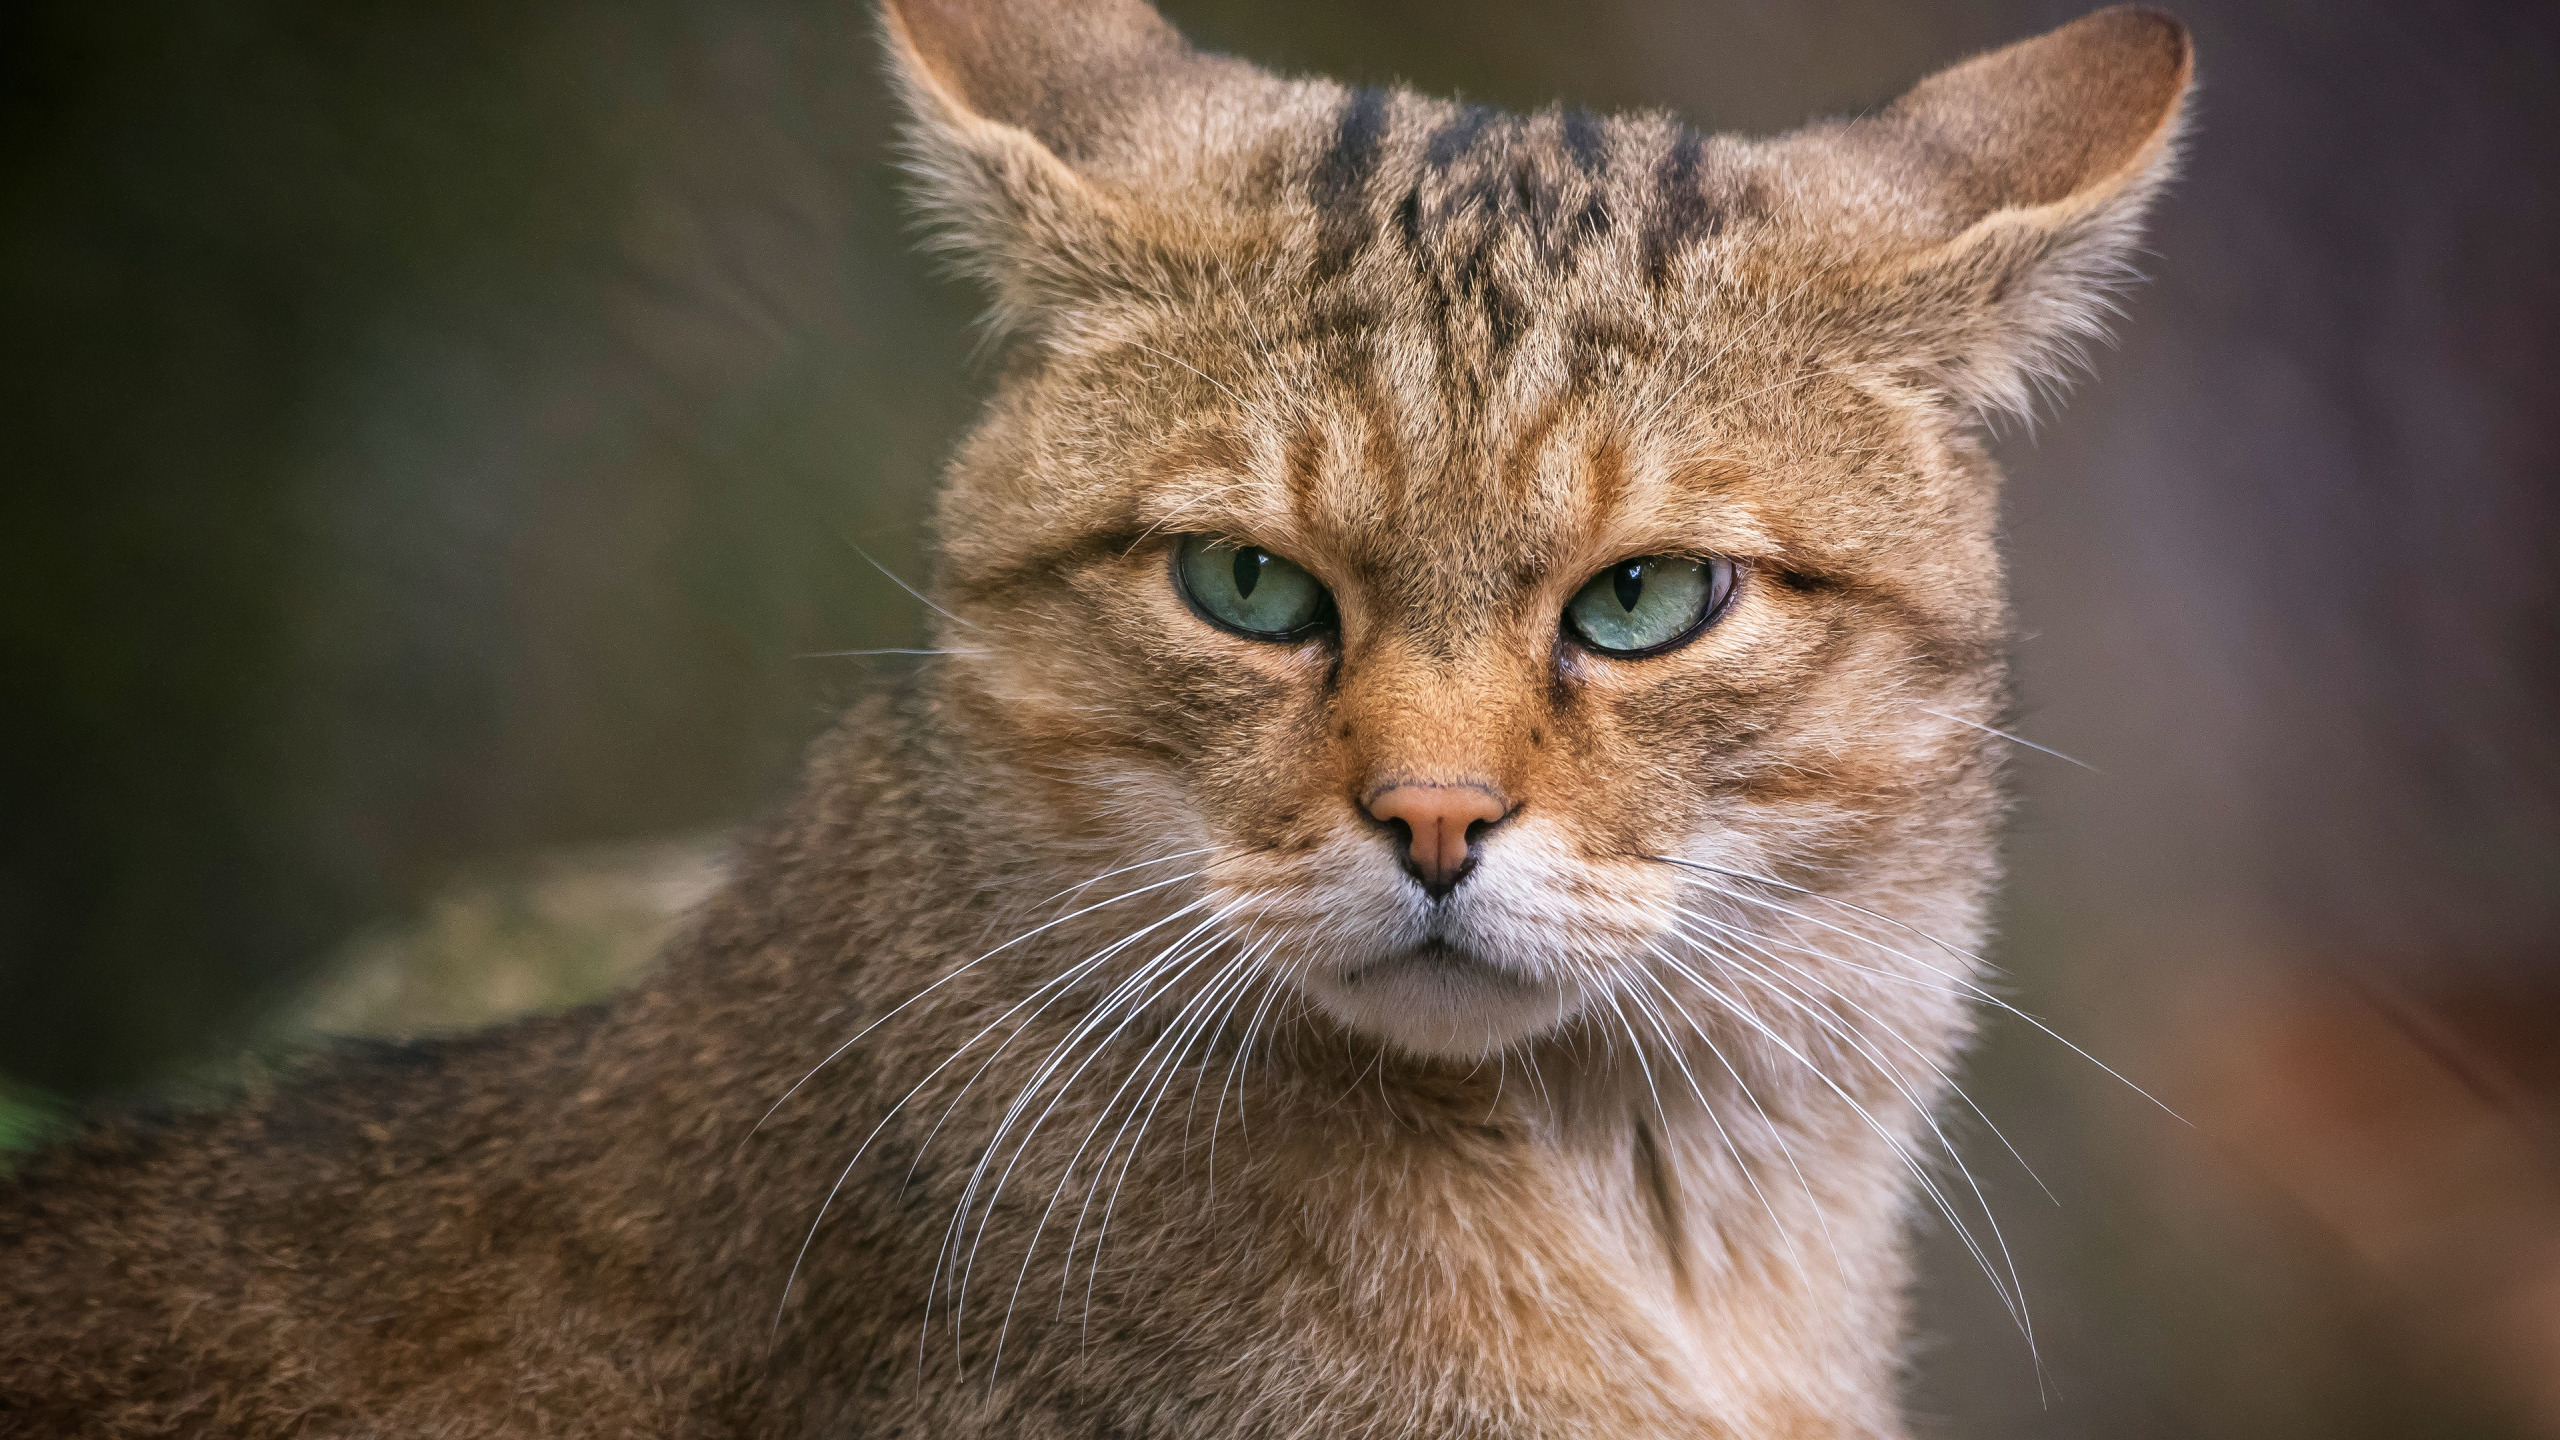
pixel 1438 826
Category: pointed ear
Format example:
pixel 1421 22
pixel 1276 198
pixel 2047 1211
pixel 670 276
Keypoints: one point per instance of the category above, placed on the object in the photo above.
pixel 2020 179
pixel 1041 132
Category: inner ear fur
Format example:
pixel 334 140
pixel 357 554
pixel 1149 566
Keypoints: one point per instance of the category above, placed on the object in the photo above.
pixel 1062 71
pixel 1042 133
pixel 2066 117
pixel 2025 174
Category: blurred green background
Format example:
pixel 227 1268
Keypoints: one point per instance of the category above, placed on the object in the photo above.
pixel 434 443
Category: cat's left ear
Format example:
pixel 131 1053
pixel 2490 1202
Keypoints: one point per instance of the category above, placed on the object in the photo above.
pixel 1045 133
pixel 1996 206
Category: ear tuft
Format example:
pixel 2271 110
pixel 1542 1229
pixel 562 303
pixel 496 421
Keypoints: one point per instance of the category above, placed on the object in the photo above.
pixel 1047 136
pixel 2020 179
pixel 1061 70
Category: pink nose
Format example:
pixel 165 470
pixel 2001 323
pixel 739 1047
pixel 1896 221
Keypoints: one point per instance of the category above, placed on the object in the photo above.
pixel 1437 821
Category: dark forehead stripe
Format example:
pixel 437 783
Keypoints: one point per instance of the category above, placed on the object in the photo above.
pixel 1461 195
pixel 1490 181
pixel 1680 215
pixel 1452 141
pixel 1452 219
pixel 1492 176
pixel 1584 140
pixel 1339 185
pixel 1484 176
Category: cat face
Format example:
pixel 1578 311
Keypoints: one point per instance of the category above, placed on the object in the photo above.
pixel 1465 536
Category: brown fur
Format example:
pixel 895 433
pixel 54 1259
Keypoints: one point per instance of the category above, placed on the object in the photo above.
pixel 1283 1178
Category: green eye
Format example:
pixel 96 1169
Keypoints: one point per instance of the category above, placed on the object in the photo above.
pixel 1640 607
pixel 1249 590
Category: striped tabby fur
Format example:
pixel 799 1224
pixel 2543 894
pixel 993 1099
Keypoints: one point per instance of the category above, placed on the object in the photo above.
pixel 1077 1055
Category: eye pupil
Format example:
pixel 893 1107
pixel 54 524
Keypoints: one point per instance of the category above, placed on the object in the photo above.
pixel 1648 605
pixel 1248 590
pixel 1629 583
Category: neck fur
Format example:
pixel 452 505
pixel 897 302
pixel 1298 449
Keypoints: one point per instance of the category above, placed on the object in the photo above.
pixel 1671 1232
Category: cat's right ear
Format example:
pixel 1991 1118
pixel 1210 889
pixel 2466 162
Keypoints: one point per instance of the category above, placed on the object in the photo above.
pixel 1039 128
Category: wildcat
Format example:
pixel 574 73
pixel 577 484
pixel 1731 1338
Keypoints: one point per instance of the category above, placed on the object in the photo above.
pixel 1429 891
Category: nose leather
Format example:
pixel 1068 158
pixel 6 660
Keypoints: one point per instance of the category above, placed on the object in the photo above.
pixel 1436 820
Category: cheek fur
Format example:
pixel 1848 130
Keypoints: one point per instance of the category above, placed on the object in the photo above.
pixel 1245 720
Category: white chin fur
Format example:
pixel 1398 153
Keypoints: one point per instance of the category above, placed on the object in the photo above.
pixel 1447 1008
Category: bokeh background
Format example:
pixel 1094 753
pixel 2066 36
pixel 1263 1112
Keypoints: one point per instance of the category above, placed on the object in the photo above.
pixel 438 444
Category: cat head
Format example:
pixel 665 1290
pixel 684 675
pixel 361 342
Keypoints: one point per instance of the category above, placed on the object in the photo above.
pixel 1449 539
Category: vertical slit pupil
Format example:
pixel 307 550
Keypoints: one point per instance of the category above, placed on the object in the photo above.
pixel 1629 583
pixel 1248 570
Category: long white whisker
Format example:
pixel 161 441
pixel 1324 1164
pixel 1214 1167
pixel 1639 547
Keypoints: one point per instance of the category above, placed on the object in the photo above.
pixel 1028 1095
pixel 1538 1077
pixel 1083 967
pixel 1654 1017
pixel 1644 1067
pixel 1102 1232
pixel 1160 971
pixel 1067 1270
pixel 1971 987
pixel 1811 1200
pixel 1096 1015
pixel 1136 865
pixel 2014 1301
pixel 910 589
pixel 1286 988
pixel 1065 978
pixel 1244 1047
pixel 2012 739
pixel 1928 1116
pixel 1893 1143
pixel 1033 1245
pixel 955 974
pixel 1761 944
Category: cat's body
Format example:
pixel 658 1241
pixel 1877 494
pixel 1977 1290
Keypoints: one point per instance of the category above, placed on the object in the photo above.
pixel 1419 1021
pixel 556 1229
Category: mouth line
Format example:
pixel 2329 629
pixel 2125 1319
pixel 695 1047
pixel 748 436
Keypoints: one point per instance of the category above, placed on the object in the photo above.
pixel 1440 953
pixel 1434 955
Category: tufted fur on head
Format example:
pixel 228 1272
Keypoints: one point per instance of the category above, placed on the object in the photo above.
pixel 1071 158
pixel 1426 1016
